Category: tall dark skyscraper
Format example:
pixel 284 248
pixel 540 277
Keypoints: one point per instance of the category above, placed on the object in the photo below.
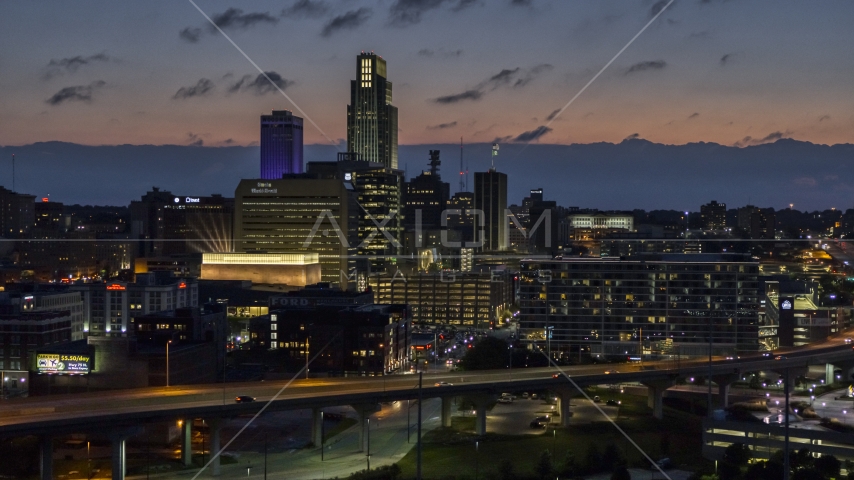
pixel 427 193
pixel 281 144
pixel 490 196
pixel 371 118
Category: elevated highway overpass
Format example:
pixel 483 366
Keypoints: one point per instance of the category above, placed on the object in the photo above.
pixel 125 411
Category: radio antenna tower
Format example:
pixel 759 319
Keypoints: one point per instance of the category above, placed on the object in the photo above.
pixel 462 178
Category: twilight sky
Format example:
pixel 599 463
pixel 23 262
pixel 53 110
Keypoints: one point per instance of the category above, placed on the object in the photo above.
pixel 736 72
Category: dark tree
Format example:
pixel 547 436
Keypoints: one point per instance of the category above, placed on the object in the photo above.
pixel 728 471
pixel 506 470
pixel 487 354
pixel 621 473
pixel 664 444
pixel 543 470
pixel 593 459
pixel 611 457
pixel 737 454
pixel 808 474
pixel 828 465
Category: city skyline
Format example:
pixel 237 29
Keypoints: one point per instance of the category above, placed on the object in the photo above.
pixel 156 73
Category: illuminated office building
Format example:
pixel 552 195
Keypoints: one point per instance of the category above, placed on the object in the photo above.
pixel 667 304
pixel 299 214
pixel 167 224
pixel 371 118
pixel 281 144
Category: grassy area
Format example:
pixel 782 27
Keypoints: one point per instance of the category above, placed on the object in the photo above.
pixel 341 426
pixel 451 452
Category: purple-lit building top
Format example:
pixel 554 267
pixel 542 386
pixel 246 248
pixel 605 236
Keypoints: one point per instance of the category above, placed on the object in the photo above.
pixel 281 144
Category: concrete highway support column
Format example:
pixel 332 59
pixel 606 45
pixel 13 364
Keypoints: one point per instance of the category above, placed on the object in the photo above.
pixel 480 404
pixel 563 408
pixel 723 382
pixel 364 413
pixel 214 426
pixel 447 403
pixel 187 441
pixel 829 377
pixel 655 397
pixel 316 427
pixel 118 442
pixel 46 450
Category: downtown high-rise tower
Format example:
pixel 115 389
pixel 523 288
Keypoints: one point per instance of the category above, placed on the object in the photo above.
pixel 371 118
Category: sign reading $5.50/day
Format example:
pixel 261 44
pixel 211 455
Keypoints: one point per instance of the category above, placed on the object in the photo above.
pixel 62 363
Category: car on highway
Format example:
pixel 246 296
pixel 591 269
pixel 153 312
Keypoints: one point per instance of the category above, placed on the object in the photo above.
pixel 442 384
pixel 560 375
pixel 848 340
pixel 505 400
pixel 608 372
pixel 597 399
pixel 780 357
pixel 243 399
pixel 613 403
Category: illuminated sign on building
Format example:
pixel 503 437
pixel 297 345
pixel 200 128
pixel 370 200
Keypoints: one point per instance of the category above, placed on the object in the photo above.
pixel 116 286
pixel 182 285
pixel 191 200
pixel 786 305
pixel 63 364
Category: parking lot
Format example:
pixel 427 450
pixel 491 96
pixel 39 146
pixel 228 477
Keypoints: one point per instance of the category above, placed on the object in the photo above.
pixel 515 418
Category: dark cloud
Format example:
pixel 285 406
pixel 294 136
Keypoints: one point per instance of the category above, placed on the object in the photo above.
pixel 408 12
pixel 260 85
pixel 521 3
pixel 726 58
pixel 657 7
pixel 79 93
pixel 194 140
pixel 348 21
pixel 502 139
pixel 823 118
pixel 552 115
pixel 463 4
pixel 442 126
pixel 693 115
pixel 501 78
pixel 235 19
pixel 202 87
pixel 190 34
pixel 71 64
pixel 532 74
pixel 532 135
pixel 517 77
pixel 459 97
pixel 306 9
pixel 770 138
pixel 648 65
pixel 632 137
pixel 426 52
pixel 231 19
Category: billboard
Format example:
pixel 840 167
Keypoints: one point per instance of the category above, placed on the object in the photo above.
pixel 63 363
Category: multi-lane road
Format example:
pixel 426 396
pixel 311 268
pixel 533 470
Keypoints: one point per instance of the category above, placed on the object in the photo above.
pixel 66 412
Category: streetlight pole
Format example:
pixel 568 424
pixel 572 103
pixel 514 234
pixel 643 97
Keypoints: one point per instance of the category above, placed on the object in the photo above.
pixel 476 459
pixel 167 361
pixel 321 437
pixel 369 445
pixel 418 448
